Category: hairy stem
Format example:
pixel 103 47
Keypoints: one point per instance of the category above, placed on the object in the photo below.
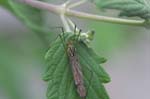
pixel 58 9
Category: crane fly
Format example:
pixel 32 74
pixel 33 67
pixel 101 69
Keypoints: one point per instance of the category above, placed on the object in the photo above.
pixel 77 73
pixel 75 66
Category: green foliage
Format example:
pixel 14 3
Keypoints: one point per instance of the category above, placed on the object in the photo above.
pixel 31 17
pixel 59 76
pixel 4 3
pixel 58 72
pixel 130 8
pixel 20 56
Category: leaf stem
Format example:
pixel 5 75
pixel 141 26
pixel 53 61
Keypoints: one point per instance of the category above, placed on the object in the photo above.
pixel 65 23
pixel 59 9
pixel 64 18
pixel 77 3
pixel 104 18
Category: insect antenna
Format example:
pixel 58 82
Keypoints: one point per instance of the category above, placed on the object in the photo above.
pixel 75 28
pixel 79 34
pixel 60 35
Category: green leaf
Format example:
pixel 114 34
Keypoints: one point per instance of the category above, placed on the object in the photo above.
pixel 31 17
pixel 58 72
pixel 4 3
pixel 129 8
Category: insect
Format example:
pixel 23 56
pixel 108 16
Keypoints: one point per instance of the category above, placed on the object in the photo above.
pixel 75 65
pixel 77 73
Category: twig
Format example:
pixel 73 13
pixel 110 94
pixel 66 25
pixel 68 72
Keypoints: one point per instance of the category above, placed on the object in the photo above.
pixel 83 15
pixel 58 9
pixel 77 4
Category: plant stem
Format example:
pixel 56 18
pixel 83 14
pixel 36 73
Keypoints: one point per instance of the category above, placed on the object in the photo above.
pixel 104 18
pixel 65 23
pixel 58 9
pixel 77 3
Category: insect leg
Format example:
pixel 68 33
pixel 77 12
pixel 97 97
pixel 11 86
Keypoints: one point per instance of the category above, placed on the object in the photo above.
pixel 63 32
pixel 62 36
pixel 63 40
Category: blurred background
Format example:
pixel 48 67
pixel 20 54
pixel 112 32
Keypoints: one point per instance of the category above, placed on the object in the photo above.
pixel 22 55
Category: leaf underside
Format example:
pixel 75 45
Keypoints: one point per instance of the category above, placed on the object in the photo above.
pixel 129 8
pixel 59 76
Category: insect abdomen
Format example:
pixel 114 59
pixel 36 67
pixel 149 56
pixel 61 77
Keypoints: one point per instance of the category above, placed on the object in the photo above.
pixel 77 73
pixel 81 90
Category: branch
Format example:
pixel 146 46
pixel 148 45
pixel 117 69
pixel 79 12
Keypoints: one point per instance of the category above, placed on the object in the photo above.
pixel 59 9
pixel 104 18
